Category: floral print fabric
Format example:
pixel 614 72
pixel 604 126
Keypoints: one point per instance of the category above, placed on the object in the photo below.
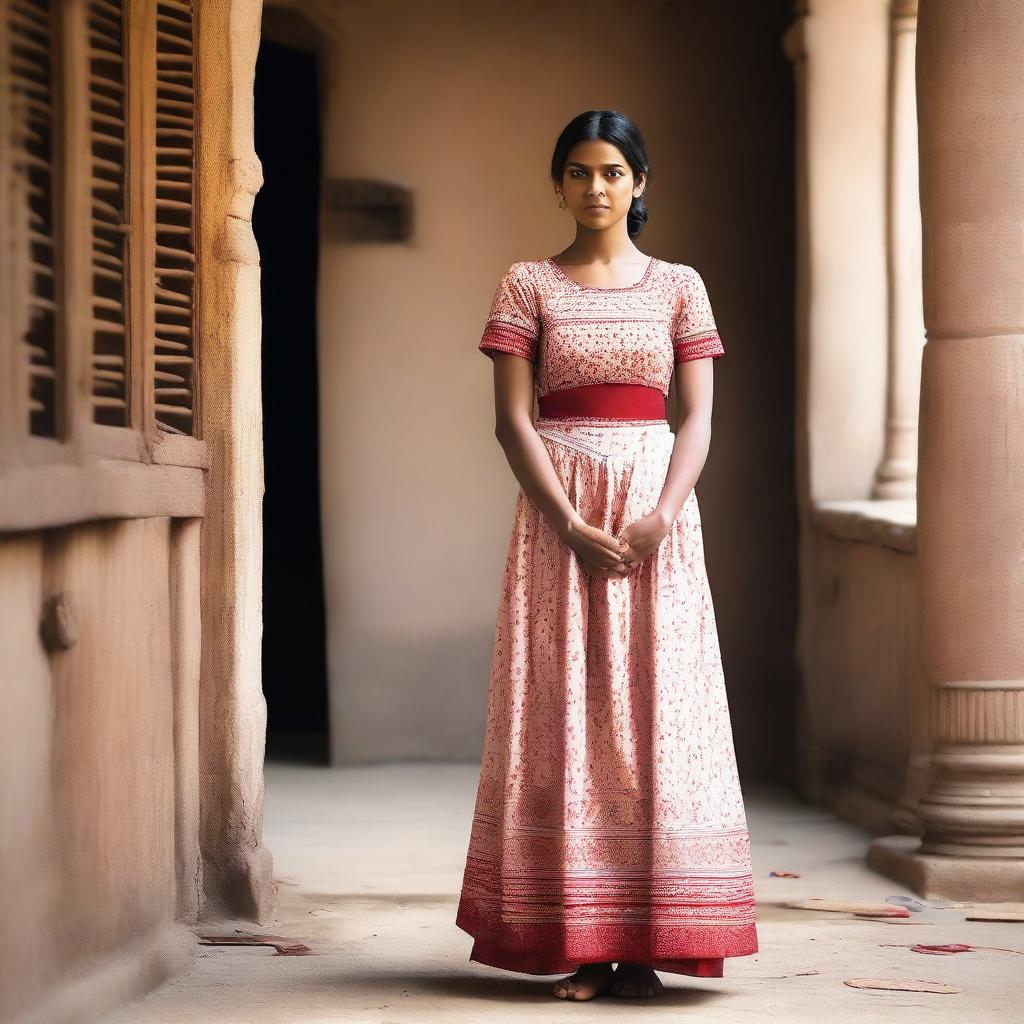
pixel 578 335
pixel 609 822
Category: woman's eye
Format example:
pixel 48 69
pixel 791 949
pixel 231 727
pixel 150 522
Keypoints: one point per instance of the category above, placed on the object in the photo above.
pixel 577 173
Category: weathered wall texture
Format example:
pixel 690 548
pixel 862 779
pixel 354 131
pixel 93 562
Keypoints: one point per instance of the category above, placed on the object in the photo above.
pixel 860 717
pixel 131 784
pixel 87 871
pixel 462 102
pixel 862 740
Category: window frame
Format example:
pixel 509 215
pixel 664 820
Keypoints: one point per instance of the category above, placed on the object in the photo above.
pixel 45 481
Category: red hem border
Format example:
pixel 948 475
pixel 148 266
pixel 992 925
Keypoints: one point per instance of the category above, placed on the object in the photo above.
pixel 555 948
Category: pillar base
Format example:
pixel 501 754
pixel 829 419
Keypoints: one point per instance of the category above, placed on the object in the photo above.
pixel 962 879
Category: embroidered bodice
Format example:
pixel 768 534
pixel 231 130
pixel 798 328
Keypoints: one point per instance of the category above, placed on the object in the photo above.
pixel 576 334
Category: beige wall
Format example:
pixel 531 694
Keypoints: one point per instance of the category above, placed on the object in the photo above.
pixel 87 872
pixel 860 738
pixel 462 102
pixel 862 747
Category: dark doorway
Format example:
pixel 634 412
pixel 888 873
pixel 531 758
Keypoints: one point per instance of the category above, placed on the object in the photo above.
pixel 286 224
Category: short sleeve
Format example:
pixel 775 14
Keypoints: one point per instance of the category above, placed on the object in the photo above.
pixel 694 333
pixel 512 324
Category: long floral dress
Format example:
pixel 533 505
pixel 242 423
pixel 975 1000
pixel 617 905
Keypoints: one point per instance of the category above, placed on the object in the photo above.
pixel 609 823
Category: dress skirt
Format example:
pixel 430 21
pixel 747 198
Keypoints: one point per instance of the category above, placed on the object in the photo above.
pixel 609 824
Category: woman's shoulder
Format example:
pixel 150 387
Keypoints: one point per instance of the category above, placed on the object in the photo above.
pixel 683 271
pixel 522 272
pixel 527 268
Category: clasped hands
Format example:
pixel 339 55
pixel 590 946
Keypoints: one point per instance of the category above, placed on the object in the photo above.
pixel 602 554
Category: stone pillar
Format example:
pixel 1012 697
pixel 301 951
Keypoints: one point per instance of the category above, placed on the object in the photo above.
pixel 896 476
pixel 237 869
pixel 970 88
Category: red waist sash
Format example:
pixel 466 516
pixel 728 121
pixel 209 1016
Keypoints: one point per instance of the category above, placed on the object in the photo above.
pixel 614 400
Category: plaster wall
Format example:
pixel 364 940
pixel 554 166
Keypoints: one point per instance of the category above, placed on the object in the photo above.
pixel 87 872
pixel 840 53
pixel 860 716
pixel 462 102
pixel 861 741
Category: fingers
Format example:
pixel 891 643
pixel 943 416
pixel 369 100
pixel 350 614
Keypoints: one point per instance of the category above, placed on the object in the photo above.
pixel 597 570
pixel 610 544
pixel 607 558
pixel 607 541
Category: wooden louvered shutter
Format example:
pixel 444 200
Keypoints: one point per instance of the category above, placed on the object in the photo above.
pixel 108 141
pixel 97 220
pixel 174 349
pixel 33 237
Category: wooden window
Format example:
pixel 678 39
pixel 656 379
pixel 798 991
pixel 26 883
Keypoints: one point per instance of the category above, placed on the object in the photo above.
pixel 97 282
pixel 109 222
pixel 29 172
pixel 173 383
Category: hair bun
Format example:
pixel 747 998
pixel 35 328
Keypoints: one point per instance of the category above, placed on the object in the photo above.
pixel 637 216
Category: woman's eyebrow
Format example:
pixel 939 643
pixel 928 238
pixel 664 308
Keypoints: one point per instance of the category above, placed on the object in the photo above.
pixel 586 167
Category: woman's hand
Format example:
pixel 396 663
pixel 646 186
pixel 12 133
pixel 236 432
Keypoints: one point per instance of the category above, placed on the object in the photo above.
pixel 642 538
pixel 598 551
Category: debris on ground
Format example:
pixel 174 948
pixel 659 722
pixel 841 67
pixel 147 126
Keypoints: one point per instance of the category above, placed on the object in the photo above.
pixel 782 874
pixel 945 949
pixel 903 985
pixel 849 907
pixel 995 914
pixel 283 945
pixel 916 905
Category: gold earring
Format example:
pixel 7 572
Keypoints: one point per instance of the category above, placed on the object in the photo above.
pixel 563 205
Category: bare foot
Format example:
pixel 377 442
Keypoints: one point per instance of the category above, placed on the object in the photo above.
pixel 636 980
pixel 589 980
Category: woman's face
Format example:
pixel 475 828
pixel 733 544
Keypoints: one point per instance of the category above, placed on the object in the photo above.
pixel 598 184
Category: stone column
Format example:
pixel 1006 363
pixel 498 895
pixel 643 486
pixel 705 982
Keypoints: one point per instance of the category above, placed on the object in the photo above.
pixel 237 869
pixel 970 88
pixel 896 476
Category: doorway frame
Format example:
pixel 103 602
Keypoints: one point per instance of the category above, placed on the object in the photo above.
pixel 233 870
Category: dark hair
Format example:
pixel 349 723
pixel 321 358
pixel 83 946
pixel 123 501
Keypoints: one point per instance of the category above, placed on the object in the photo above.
pixel 620 131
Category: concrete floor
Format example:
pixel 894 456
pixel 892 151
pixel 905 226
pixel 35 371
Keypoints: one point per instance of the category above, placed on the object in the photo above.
pixel 370 860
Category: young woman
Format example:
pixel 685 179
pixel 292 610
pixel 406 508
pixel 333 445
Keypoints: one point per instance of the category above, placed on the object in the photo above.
pixel 609 827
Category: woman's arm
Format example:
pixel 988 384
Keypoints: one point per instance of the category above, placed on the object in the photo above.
pixel 694 382
pixel 529 460
pixel 694 395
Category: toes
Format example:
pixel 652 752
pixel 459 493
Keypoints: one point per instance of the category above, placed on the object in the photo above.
pixel 565 990
pixel 587 986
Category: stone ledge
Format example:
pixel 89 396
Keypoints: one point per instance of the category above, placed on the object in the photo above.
pixel 887 522
pixel 980 879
